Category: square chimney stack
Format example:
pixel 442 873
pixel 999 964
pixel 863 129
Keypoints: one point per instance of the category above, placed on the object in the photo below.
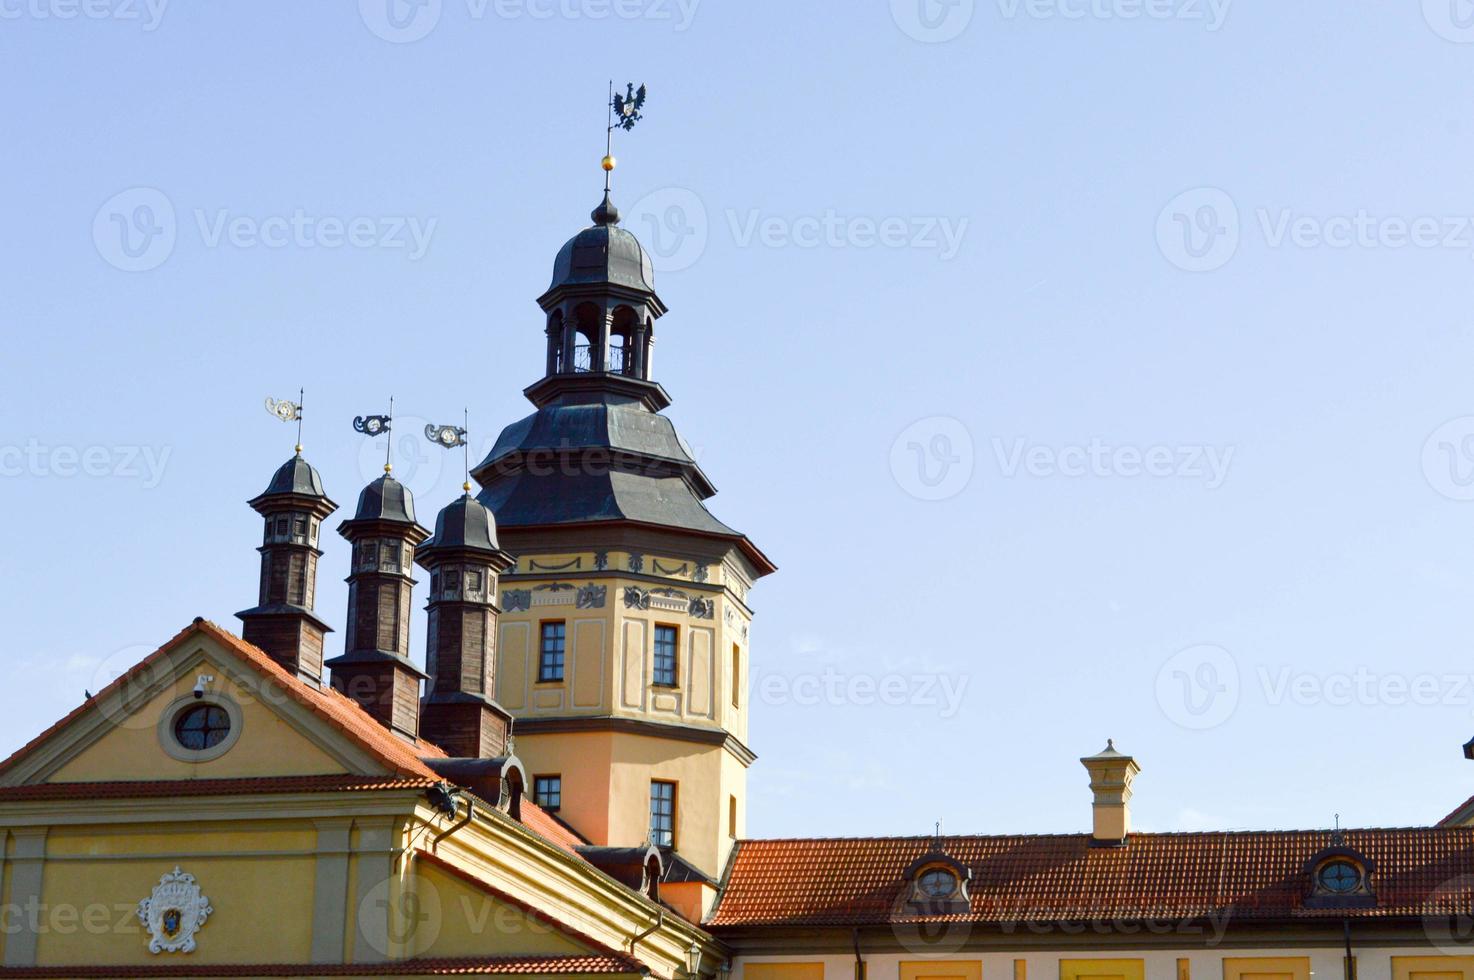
pixel 1111 775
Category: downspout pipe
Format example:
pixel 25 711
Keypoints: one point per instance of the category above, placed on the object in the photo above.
pixel 470 813
pixel 659 921
pixel 1350 963
pixel 860 960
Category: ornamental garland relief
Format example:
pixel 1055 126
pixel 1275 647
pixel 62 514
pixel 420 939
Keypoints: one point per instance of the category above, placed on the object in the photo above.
pixel 173 913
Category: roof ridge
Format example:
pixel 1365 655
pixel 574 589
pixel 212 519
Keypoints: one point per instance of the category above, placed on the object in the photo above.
pixel 927 838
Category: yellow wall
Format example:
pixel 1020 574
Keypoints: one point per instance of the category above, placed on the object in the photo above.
pixel 1432 967
pixel 1102 969
pixel 251 874
pixel 268 745
pixel 941 970
pixel 1266 968
pixel 449 917
pixel 783 971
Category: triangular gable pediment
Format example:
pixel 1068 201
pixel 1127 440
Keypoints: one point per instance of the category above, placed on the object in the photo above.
pixel 278 725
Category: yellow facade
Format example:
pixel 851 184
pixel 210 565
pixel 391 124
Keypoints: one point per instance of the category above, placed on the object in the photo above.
pixel 293 873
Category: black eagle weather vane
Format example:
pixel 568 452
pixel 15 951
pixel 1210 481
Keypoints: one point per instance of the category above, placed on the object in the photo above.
pixel 624 111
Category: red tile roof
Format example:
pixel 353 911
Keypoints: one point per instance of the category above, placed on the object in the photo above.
pixel 401 756
pixel 465 967
pixel 144 789
pixel 1063 878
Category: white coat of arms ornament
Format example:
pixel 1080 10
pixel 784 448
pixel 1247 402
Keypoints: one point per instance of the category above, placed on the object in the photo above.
pixel 173 913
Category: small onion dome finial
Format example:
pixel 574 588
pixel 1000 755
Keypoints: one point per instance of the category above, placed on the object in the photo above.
pixel 606 213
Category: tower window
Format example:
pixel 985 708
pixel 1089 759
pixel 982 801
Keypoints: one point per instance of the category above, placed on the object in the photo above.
pixel 547 792
pixel 550 652
pixel 732 817
pixel 663 813
pixel 736 676
pixel 666 642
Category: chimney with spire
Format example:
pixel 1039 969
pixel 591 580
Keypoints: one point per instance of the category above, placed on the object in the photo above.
pixel 375 669
pixel 464 560
pixel 1111 775
pixel 282 623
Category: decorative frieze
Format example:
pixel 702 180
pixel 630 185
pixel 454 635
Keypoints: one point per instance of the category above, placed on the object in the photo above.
pixel 591 596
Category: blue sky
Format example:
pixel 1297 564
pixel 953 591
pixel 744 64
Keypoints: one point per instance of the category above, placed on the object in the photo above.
pixel 1091 368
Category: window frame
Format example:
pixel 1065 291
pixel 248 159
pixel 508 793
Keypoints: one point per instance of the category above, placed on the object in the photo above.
pixel 543 674
pixel 675 656
pixel 537 794
pixel 674 802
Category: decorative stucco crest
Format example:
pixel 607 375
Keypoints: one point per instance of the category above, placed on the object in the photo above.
pixel 173 913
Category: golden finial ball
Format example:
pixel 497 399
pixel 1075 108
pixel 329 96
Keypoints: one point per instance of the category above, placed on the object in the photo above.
pixel 388 467
pixel 299 449
pixel 466 486
pixel 608 163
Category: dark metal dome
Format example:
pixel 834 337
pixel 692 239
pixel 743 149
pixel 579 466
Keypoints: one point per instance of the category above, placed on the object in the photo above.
pixel 464 523
pixel 603 253
pixel 386 499
pixel 296 477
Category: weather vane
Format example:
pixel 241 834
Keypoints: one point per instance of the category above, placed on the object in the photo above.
pixel 451 436
pixel 289 411
pixel 624 111
pixel 373 425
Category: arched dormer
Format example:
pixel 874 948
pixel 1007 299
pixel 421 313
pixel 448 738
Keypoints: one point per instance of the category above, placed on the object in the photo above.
pixel 937 884
pixel 1340 877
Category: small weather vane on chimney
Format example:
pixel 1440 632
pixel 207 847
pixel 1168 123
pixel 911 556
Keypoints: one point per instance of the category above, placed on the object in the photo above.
pixel 451 436
pixel 288 411
pixel 375 425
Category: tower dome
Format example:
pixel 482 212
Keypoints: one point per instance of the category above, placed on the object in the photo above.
pixel 386 499
pixel 604 253
pixel 464 523
pixel 295 476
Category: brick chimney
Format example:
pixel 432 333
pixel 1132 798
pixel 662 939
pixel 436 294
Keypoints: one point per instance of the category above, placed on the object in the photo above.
pixel 375 669
pixel 1111 775
pixel 460 713
pixel 282 622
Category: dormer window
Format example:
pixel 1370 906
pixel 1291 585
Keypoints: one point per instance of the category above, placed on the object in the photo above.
pixel 939 883
pixel 1340 877
pixel 936 884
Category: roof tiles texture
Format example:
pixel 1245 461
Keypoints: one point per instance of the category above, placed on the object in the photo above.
pixel 1261 875
pixel 464 967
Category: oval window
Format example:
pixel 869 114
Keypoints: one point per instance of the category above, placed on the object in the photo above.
pixel 938 883
pixel 1340 877
pixel 201 726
